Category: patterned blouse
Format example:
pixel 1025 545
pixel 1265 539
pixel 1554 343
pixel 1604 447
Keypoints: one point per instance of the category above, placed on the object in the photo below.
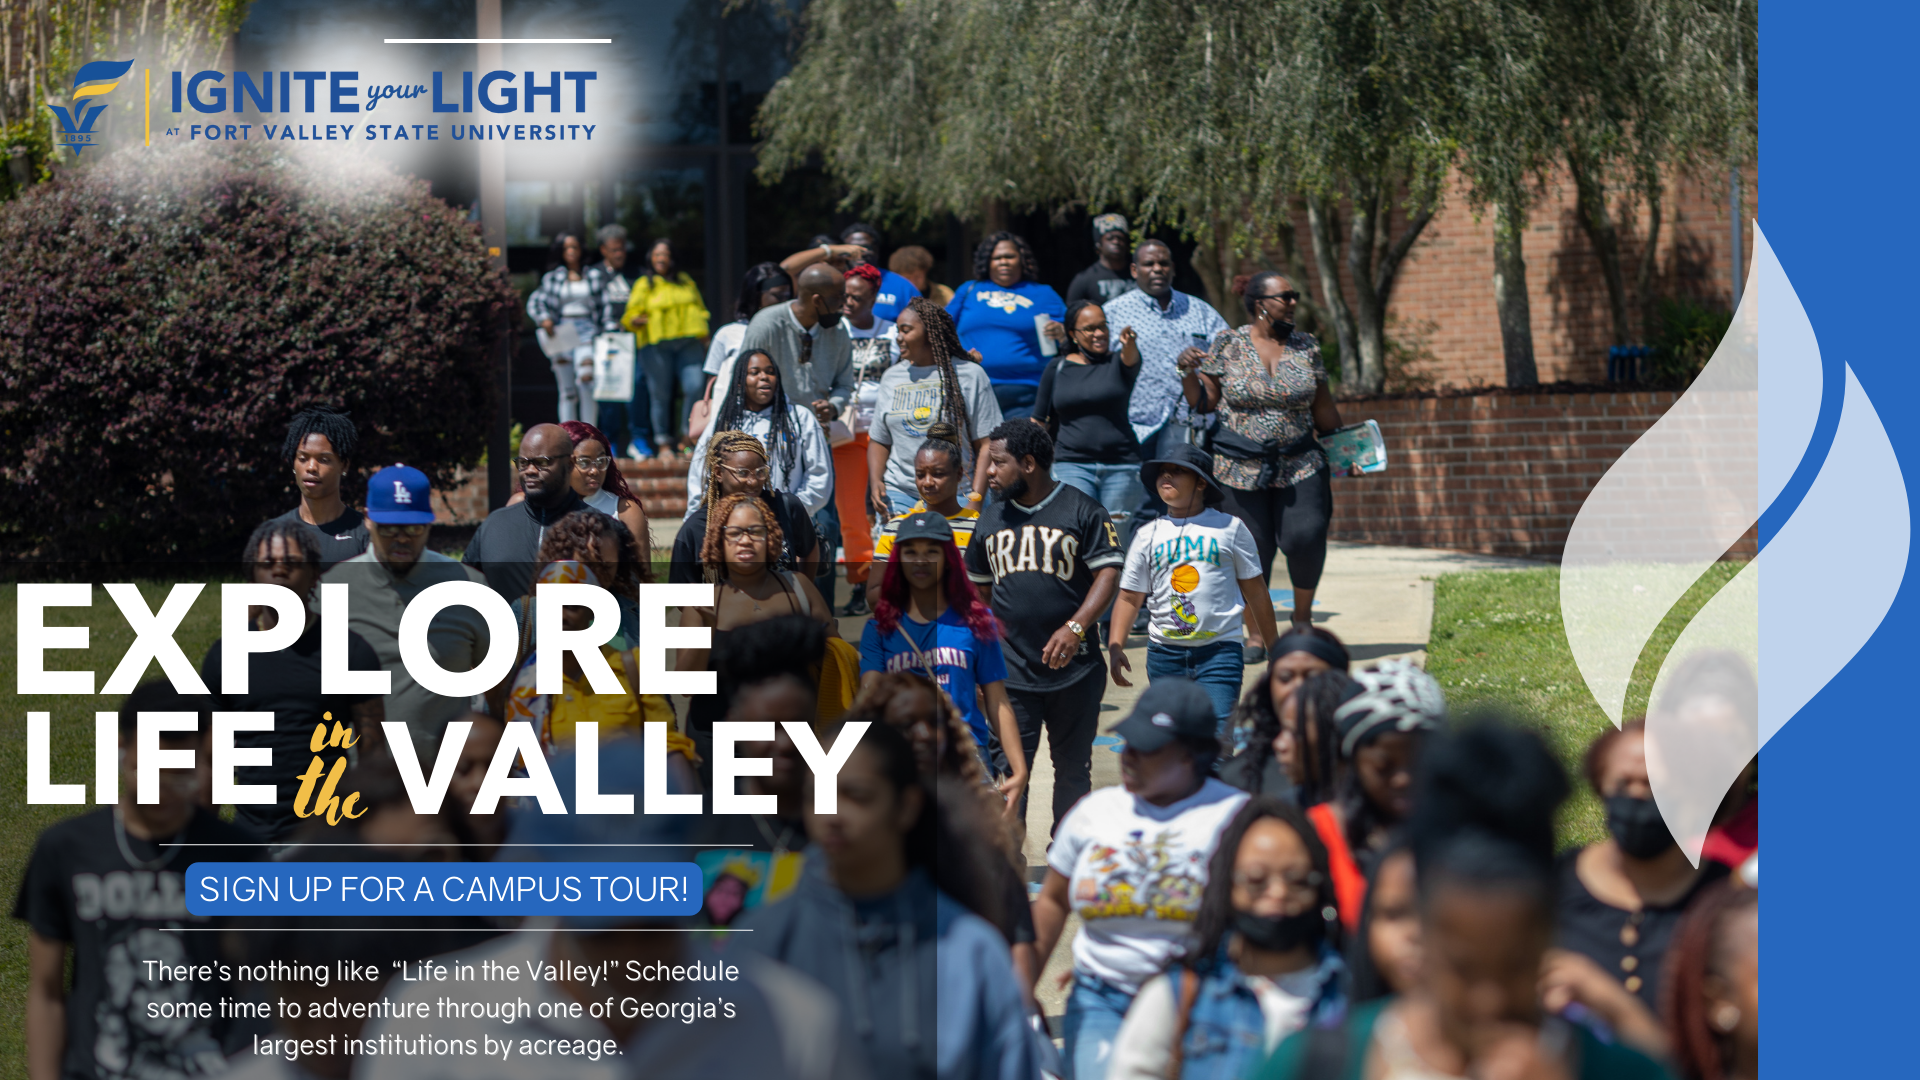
pixel 1266 407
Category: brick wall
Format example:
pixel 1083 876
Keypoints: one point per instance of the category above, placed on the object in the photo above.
pixel 1444 293
pixel 1497 473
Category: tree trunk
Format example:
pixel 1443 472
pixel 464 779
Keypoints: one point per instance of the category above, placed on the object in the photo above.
pixel 1510 295
pixel 1369 315
pixel 1590 202
pixel 1213 260
pixel 1310 317
pixel 1649 260
pixel 1322 221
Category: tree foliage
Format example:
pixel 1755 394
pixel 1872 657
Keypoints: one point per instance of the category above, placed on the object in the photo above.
pixel 43 42
pixel 1228 120
pixel 171 310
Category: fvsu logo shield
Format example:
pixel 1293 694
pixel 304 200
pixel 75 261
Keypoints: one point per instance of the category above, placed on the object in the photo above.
pixel 91 81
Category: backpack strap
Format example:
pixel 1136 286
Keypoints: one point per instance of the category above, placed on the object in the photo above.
pixel 1187 991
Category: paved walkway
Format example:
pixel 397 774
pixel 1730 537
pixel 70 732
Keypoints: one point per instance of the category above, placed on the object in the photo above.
pixel 1378 599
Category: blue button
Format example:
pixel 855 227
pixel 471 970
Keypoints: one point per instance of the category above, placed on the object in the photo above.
pixel 624 889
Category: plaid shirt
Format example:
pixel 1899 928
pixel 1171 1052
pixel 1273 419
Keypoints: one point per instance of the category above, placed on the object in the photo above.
pixel 546 301
pixel 1162 336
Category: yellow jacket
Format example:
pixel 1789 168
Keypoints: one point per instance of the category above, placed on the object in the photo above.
pixel 673 309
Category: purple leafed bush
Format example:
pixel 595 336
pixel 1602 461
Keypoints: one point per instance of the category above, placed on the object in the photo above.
pixel 167 311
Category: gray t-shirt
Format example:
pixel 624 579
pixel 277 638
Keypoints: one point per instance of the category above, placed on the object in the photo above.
pixel 909 403
pixel 829 370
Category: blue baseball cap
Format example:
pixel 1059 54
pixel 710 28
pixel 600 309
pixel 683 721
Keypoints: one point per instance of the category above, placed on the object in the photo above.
pixel 400 495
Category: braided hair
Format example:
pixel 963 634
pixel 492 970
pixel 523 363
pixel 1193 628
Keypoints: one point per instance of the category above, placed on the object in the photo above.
pixel 713 550
pixel 783 439
pixel 326 420
pixel 580 431
pixel 725 444
pixel 944 341
pixel 296 538
pixel 983 257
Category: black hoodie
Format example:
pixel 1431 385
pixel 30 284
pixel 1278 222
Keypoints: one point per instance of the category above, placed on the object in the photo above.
pixel 507 545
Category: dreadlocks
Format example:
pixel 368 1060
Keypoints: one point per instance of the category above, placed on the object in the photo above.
pixel 713 551
pixel 781 436
pixel 324 420
pixel 944 341
pixel 295 537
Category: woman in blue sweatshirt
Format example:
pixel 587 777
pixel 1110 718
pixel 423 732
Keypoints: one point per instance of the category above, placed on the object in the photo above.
pixel 995 314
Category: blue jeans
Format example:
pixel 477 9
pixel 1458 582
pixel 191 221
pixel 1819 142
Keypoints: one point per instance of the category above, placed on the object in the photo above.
pixel 1116 487
pixel 1215 666
pixel 1016 401
pixel 668 365
pixel 901 500
pixel 1094 1012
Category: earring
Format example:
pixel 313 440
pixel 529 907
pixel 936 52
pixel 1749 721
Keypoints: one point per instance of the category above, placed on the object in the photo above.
pixel 1725 1017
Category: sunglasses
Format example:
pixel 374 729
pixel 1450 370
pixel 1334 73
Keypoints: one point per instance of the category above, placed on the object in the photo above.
pixel 391 531
pixel 543 462
pixel 748 475
pixel 1290 296
pixel 593 463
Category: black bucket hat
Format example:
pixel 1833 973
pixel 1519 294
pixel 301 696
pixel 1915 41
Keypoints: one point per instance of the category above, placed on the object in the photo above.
pixel 1187 456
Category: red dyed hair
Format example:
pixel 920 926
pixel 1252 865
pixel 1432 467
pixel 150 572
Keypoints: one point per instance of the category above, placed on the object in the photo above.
pixel 580 431
pixel 1694 953
pixel 868 271
pixel 895 592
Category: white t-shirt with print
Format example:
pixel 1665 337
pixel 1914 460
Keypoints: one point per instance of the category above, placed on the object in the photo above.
pixel 1191 569
pixel 1135 874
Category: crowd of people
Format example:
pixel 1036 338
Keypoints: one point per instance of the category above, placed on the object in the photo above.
pixel 1318 871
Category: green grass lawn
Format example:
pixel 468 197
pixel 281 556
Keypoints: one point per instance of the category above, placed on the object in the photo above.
pixel 1497 638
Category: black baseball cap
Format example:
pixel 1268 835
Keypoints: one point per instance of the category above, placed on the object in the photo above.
pixel 925 525
pixel 1187 456
pixel 1167 709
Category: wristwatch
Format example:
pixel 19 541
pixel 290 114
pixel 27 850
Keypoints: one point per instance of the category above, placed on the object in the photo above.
pixel 1078 630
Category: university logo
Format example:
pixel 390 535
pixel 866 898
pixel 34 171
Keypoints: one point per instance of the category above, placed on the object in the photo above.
pixel 91 81
pixel 1810 464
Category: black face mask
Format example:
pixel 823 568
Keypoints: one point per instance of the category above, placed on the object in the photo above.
pixel 1282 330
pixel 1284 934
pixel 1637 827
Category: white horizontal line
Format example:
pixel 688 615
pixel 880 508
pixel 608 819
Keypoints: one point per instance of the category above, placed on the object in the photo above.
pixel 499 41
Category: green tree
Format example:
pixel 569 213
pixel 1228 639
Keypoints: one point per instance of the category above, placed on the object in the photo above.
pixel 43 42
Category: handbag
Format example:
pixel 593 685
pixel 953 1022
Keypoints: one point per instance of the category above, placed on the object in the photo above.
pixel 1268 453
pixel 700 415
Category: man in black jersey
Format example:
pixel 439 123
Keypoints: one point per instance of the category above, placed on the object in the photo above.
pixel 1048 559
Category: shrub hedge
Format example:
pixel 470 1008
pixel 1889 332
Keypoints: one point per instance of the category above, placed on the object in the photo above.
pixel 167 311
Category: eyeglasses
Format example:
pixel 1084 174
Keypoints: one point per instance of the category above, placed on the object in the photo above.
pixel 1290 296
pixel 1261 884
pixel 400 530
pixel 543 462
pixel 744 532
pixel 744 475
pixel 593 463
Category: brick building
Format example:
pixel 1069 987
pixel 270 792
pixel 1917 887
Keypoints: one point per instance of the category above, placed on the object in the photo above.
pixel 1445 289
